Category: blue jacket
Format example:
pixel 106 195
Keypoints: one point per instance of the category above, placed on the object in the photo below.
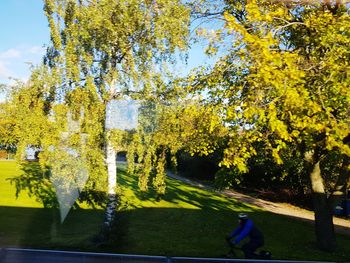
pixel 247 229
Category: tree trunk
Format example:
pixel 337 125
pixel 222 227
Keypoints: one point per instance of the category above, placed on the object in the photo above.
pixel 111 168
pixel 324 227
pixel 111 163
pixel 112 182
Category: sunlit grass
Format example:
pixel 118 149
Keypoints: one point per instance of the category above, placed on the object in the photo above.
pixel 193 222
pixel 178 195
pixel 25 223
pixel 187 221
pixel 10 169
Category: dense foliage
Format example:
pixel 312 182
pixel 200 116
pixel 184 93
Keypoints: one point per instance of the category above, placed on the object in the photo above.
pixel 100 51
pixel 284 84
pixel 277 97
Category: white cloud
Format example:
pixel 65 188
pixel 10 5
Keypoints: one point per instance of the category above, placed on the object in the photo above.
pixel 4 71
pixel 36 50
pixel 14 62
pixel 10 53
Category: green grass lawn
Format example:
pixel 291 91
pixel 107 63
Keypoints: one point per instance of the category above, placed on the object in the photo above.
pixel 9 169
pixel 193 222
pixel 25 223
pixel 186 222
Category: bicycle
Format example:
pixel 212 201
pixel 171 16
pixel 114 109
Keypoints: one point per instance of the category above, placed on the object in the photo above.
pixel 263 254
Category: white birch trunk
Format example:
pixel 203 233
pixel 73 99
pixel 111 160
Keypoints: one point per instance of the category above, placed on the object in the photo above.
pixel 112 182
pixel 111 163
pixel 111 168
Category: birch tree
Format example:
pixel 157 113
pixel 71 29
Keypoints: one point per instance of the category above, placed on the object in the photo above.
pixel 100 51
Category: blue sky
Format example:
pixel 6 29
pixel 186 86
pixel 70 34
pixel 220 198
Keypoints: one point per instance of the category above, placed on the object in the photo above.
pixel 24 33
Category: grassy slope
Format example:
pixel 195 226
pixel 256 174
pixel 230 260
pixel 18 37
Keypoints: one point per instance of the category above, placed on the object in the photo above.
pixel 25 223
pixel 193 222
pixel 9 169
pixel 187 222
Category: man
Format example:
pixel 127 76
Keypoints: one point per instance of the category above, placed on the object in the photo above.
pixel 247 228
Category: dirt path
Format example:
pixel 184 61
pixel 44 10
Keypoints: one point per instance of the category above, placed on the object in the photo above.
pixel 342 226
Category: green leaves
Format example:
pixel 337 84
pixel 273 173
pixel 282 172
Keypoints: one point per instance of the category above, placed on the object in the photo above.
pixel 116 42
pixel 284 80
pixel 106 50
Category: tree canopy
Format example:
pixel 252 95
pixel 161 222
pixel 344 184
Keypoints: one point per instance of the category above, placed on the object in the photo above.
pixel 100 51
pixel 285 81
pixel 280 89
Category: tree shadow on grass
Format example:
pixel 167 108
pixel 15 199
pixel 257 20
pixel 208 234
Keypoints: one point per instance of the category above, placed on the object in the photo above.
pixel 194 225
pixel 192 222
pixel 32 227
pixel 201 233
pixel 159 231
pixel 181 194
pixel 36 181
pixel 40 228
